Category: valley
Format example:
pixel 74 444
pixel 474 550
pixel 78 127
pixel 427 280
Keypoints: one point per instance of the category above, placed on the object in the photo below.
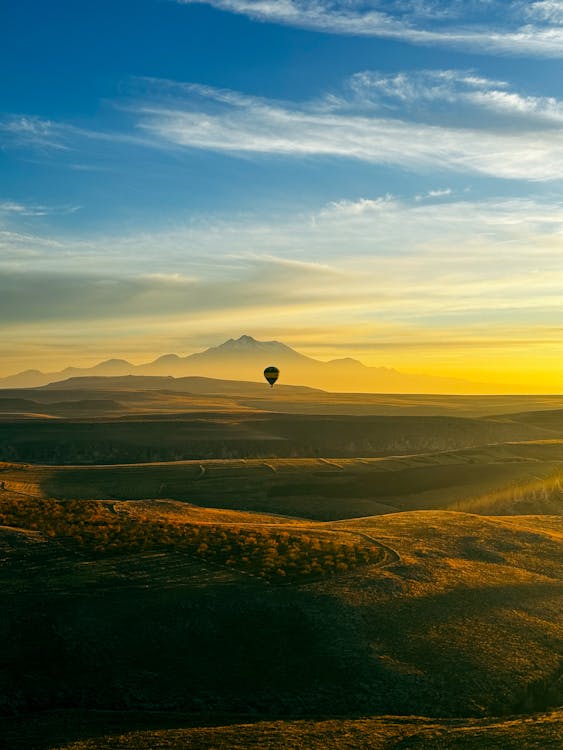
pixel 236 575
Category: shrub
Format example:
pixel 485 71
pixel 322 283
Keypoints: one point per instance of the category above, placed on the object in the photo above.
pixel 270 553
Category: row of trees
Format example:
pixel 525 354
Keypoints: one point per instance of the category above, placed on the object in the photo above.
pixel 270 553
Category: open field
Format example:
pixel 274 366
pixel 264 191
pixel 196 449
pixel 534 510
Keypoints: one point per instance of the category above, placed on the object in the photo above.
pixel 236 435
pixel 101 426
pixel 485 479
pixel 103 397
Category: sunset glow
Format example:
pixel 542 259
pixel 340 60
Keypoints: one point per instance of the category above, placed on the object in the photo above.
pixel 372 180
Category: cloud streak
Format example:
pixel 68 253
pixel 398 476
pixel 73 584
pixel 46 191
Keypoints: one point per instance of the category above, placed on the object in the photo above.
pixel 49 136
pixel 392 120
pixel 495 27
pixel 430 94
pixel 21 130
pixel 423 121
pixel 14 208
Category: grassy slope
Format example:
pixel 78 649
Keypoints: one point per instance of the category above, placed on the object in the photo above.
pixel 471 479
pixel 114 731
pixel 386 733
pixel 468 621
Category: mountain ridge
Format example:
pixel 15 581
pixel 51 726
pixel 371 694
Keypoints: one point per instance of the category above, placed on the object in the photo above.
pixel 245 358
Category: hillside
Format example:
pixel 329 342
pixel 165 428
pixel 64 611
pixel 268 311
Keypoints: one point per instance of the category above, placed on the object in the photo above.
pixel 529 474
pixel 177 732
pixel 99 437
pixel 463 620
pixel 189 384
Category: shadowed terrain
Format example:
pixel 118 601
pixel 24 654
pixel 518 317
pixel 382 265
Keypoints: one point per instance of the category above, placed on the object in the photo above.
pixel 401 573
pixel 179 731
pixel 464 618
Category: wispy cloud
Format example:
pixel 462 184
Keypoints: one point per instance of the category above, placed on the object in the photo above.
pixel 393 120
pixel 492 27
pixel 28 131
pixel 429 120
pixel 33 131
pixel 546 10
pixel 14 208
pixel 427 93
pixel 431 194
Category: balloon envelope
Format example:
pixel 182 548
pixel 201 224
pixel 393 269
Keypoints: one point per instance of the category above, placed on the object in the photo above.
pixel 271 374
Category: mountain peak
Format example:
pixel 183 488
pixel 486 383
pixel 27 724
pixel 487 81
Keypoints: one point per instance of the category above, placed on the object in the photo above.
pixel 170 358
pixel 113 362
pixel 248 351
pixel 244 340
pixel 248 342
pixel 345 362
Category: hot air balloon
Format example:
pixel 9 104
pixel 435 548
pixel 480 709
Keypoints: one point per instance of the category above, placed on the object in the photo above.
pixel 271 374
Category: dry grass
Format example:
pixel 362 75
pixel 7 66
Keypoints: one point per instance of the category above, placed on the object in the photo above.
pixel 222 396
pixel 468 621
pixel 542 732
pixel 183 512
pixel 475 480
pixel 541 495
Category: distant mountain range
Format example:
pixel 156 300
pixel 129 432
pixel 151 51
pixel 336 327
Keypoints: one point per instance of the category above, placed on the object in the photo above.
pixel 245 359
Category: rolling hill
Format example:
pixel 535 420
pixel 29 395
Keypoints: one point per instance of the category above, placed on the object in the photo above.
pixel 543 731
pixel 463 621
pixel 136 394
pixel 100 439
pixel 502 479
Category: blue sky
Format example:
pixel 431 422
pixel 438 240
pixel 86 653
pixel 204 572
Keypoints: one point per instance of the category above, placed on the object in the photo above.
pixel 379 178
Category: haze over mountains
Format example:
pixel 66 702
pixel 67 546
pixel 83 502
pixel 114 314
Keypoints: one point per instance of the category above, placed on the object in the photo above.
pixel 245 358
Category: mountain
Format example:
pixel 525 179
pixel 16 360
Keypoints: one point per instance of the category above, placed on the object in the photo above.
pixel 191 384
pixel 25 379
pixel 245 356
pixel 245 359
pixel 109 368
